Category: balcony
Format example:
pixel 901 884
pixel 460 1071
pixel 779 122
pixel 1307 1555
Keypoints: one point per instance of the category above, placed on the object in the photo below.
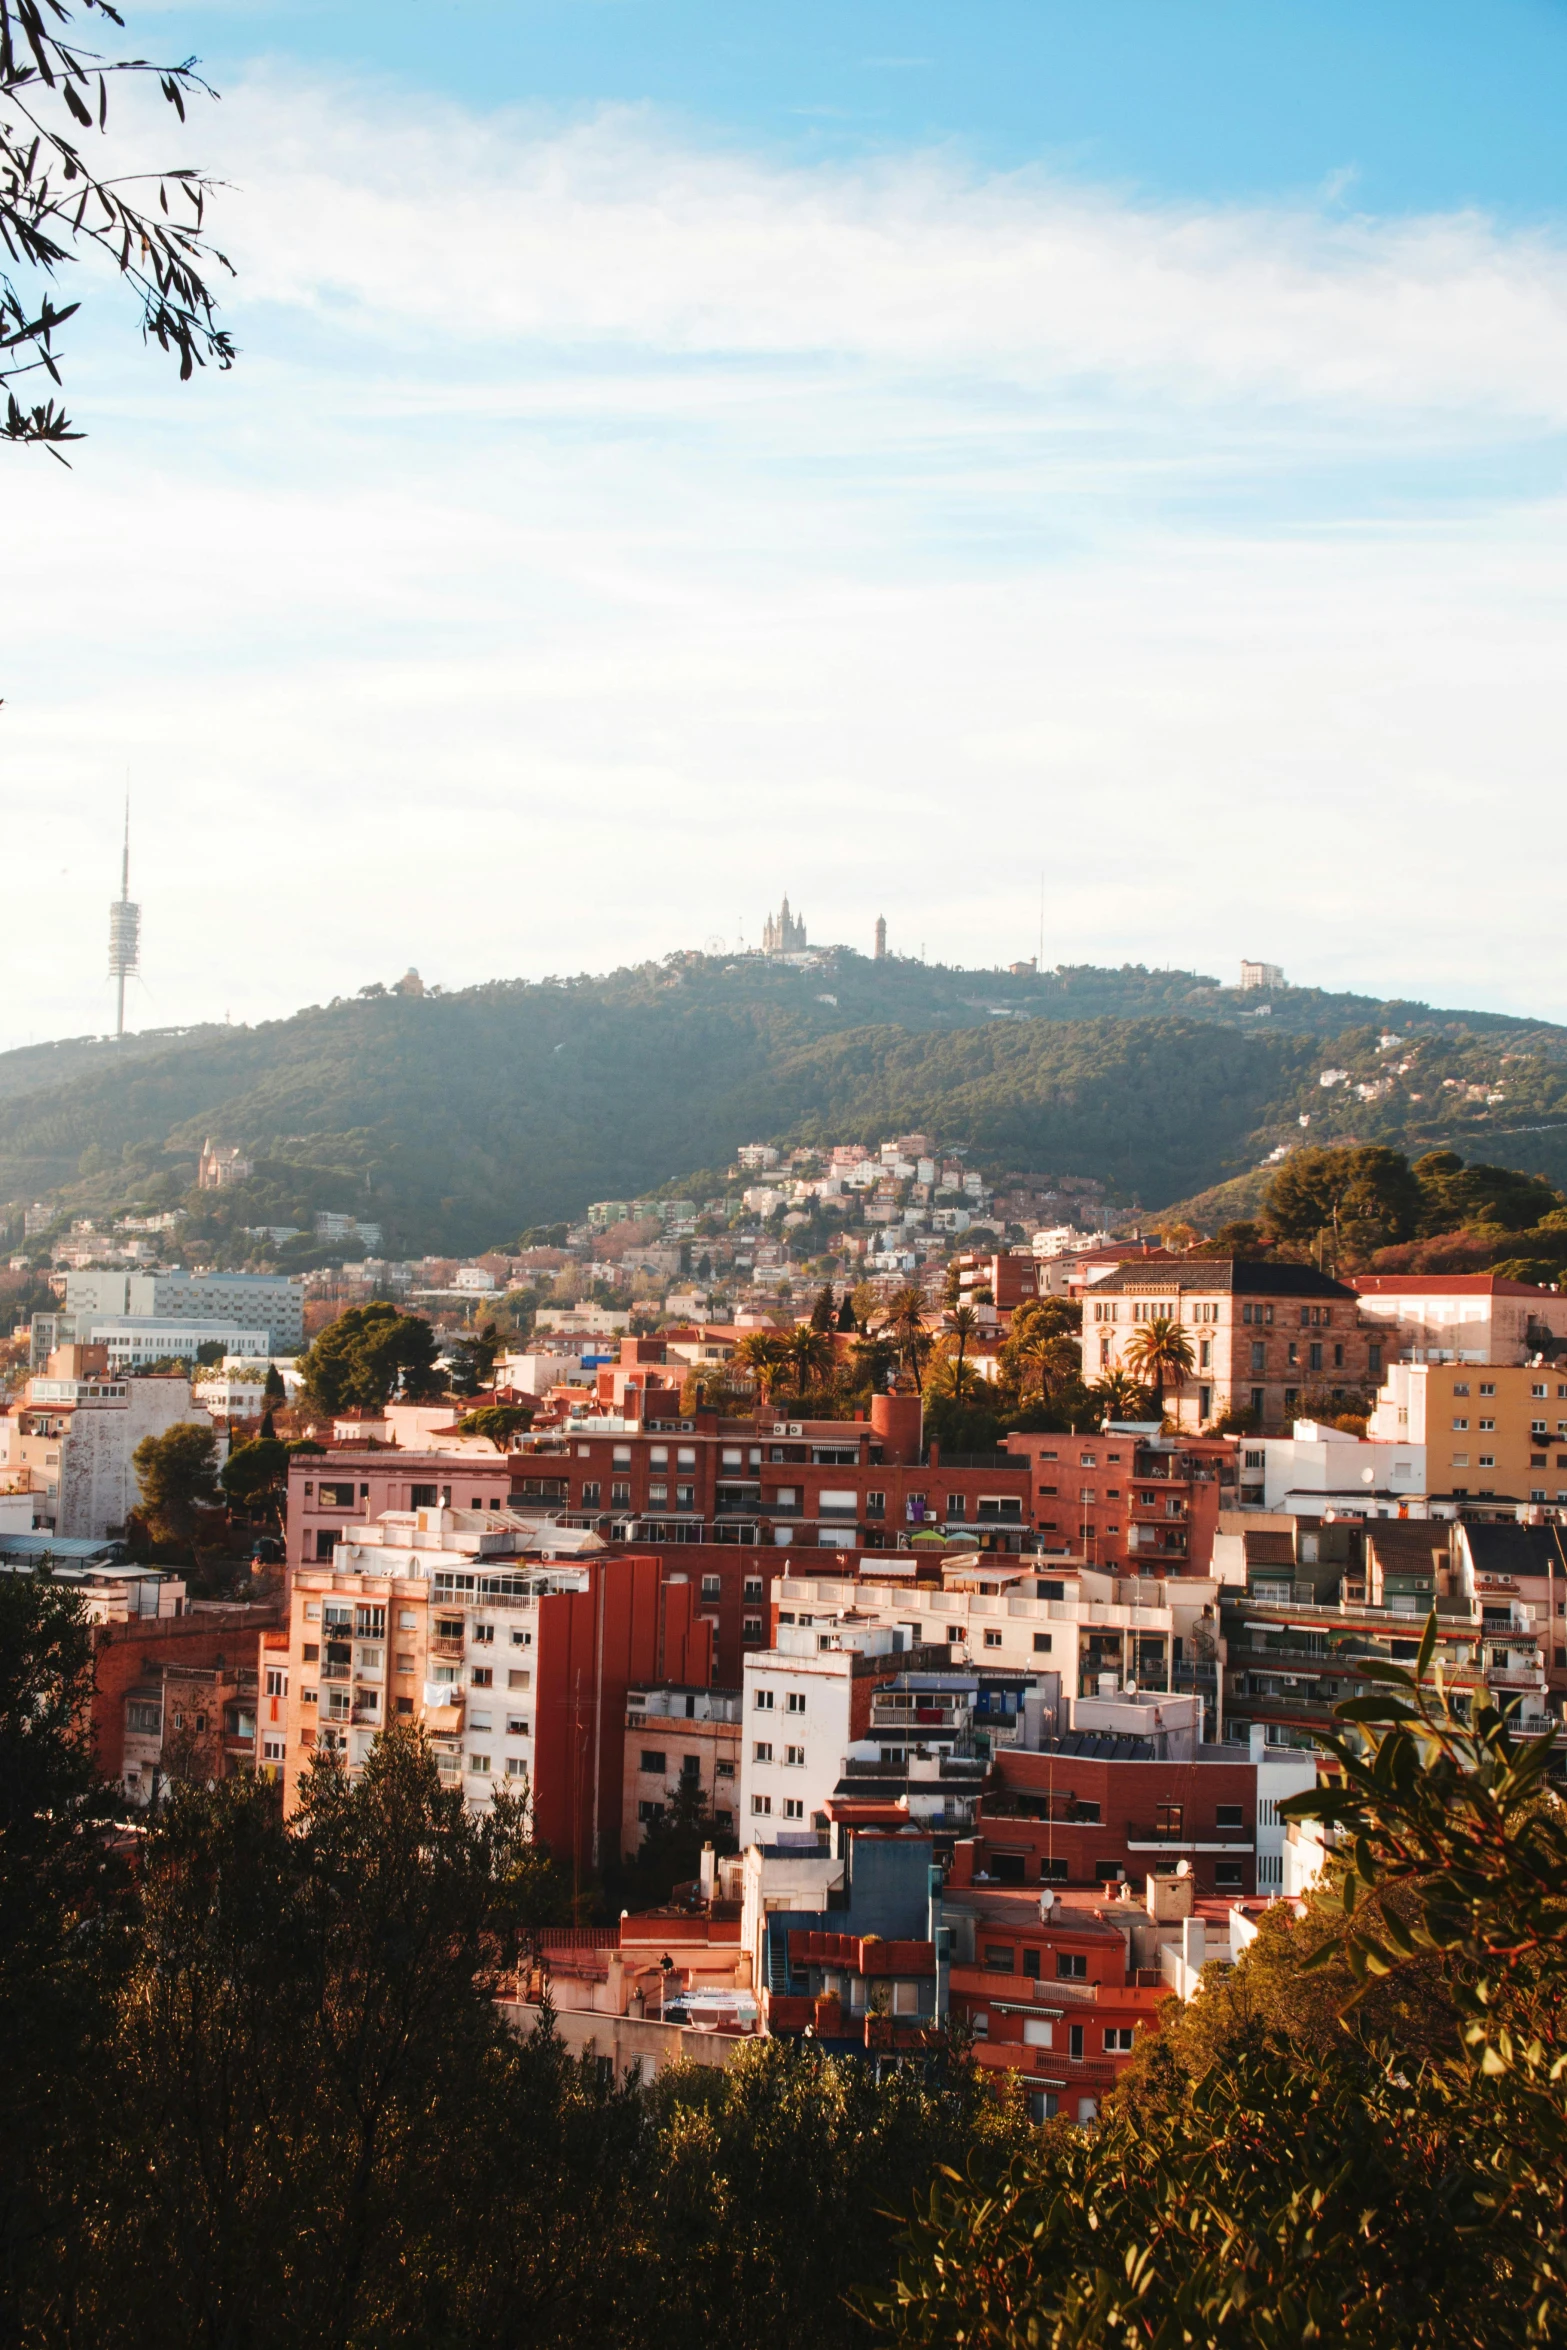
pixel 451 1650
pixel 336 1672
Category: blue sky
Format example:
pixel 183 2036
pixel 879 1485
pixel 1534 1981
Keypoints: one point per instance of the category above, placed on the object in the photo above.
pixel 685 452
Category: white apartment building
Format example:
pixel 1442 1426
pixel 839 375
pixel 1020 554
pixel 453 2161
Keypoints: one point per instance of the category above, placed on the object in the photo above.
pixel 263 1302
pixel 1318 1468
pixel 1097 1630
pixel 804 1704
pixel 1460 1317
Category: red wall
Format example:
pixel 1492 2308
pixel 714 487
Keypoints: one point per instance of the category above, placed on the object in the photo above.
pixel 592 1646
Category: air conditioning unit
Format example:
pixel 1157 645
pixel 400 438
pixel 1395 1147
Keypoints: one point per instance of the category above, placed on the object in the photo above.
pixel 780 1427
pixel 797 1427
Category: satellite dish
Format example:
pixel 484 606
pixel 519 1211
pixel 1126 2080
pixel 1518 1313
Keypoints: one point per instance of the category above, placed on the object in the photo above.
pixel 1047 1902
pixel 1183 1868
pixel 1131 1688
pixel 1368 1476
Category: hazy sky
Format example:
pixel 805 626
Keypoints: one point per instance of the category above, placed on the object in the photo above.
pixel 685 452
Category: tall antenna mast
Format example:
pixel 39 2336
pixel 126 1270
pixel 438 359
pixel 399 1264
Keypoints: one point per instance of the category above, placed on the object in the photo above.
pixel 124 929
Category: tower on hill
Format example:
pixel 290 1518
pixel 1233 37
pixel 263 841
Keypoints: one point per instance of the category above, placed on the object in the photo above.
pixel 881 938
pixel 124 930
pixel 783 933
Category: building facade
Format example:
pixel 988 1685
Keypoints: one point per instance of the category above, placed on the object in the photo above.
pixel 1488 1431
pixel 1261 1335
pixel 75 1430
pixel 1461 1317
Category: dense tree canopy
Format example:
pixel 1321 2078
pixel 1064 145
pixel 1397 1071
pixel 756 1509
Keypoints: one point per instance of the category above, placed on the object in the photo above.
pixel 178 1476
pixel 369 1354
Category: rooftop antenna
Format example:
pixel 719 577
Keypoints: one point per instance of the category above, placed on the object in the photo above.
pixel 124 931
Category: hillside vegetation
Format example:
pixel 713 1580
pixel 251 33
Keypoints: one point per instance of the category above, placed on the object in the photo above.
pixel 459 1120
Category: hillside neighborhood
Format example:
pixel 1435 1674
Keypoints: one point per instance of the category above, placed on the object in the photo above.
pixel 954 1576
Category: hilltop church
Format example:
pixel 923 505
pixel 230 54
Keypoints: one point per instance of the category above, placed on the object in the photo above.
pixel 783 933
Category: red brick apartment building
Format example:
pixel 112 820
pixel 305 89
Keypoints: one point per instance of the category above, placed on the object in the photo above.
pixel 1080 1813
pixel 1129 1498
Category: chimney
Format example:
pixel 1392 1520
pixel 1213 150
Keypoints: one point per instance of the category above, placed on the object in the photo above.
pixel 899 1422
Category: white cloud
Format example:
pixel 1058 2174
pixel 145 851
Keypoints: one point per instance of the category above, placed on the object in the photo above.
pixel 603 532
pixel 608 232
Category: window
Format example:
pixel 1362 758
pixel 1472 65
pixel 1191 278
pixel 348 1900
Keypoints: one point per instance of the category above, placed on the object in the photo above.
pixel 992 1639
pixel 764 1701
pixel 761 1807
pixel 479 1763
pixel 876 1505
pixel 1118 2040
pixel 1488 1387
pixel 1071 1966
pixel 793 1808
pixel 1087 1810
pixel 516 1727
pixel 723 1770
pixel 1461 1424
pixel 753 1587
pixel 1461 1387
pixel 148 1719
pixel 1074 2041
pixel 1539 1391
pixel 712 1587
pixel 1031 1966
pixel 1488 1460
pixel 1259 1355
pixel 1230 1876
pixel 369 1623
pixel 1228 1815
pixel 955 1635
pixel 590 1493
pixel 1487 1427
pixel 522 1680
pixel 1042 1641
pixel 277 1680
pixel 794 1703
pixel 794 1758
pixel 762 1751
pixel 619 1494
pixel 653 1760
pixel 998 1958
pixel 482 1677
pixel 273 1750
pixel 422 1497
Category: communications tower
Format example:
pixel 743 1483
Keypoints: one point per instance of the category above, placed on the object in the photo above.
pixel 124 929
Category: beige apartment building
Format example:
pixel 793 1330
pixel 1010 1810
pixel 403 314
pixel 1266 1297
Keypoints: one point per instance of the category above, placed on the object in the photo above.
pixel 1492 1431
pixel 1261 1335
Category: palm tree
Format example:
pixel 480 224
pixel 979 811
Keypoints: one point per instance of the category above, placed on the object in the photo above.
pixel 904 1326
pixel 1046 1362
pixel 1117 1396
pixel 762 1352
pixel 1160 1354
pixel 952 1374
pixel 810 1355
pixel 951 1377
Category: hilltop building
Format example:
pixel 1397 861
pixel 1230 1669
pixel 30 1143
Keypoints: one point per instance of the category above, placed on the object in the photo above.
pixel 221 1163
pixel 783 933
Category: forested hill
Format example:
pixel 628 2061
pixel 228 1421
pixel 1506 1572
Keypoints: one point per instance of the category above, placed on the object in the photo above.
pixel 459 1120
